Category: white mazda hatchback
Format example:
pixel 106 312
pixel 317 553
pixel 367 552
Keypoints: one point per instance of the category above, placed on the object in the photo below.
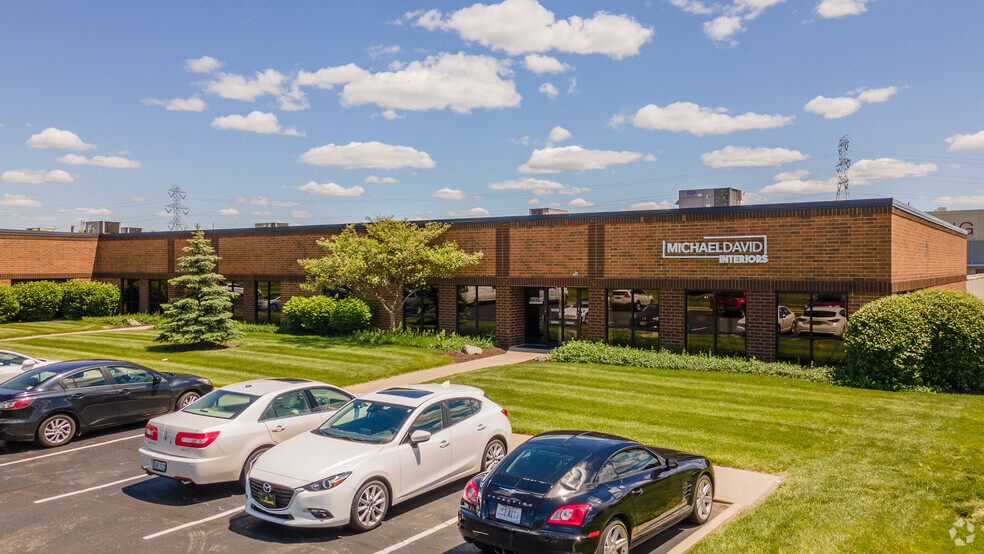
pixel 379 449
pixel 216 438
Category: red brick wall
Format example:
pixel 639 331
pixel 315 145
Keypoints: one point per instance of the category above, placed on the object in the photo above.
pixel 41 256
pixel 548 249
pixel 475 238
pixel 924 252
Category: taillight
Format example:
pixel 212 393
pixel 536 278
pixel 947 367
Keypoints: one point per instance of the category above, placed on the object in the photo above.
pixel 835 320
pixel 150 432
pixel 571 514
pixel 16 403
pixel 471 493
pixel 195 440
pixel 505 413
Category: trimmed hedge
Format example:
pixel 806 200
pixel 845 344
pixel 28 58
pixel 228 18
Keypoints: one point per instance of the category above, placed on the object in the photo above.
pixel 350 315
pixel 308 314
pixel 928 339
pixel 587 352
pixel 442 340
pixel 89 299
pixel 39 300
pixel 9 306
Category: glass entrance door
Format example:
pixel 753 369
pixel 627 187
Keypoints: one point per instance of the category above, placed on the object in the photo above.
pixel 555 315
pixel 536 316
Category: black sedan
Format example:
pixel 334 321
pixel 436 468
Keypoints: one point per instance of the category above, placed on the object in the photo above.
pixel 53 403
pixel 576 491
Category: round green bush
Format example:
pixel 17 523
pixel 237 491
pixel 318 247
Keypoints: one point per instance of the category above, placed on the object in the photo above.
pixel 309 314
pixel 9 306
pixel 39 300
pixel 931 338
pixel 89 299
pixel 350 315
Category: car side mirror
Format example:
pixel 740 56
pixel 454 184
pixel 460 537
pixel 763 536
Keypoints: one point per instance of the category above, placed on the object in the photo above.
pixel 419 436
pixel 27 365
pixel 671 463
pixel 157 379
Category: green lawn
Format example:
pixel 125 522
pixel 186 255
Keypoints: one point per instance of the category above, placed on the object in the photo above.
pixel 337 361
pixel 867 471
pixel 14 330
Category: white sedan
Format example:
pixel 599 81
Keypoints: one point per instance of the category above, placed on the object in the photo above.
pixel 216 438
pixel 13 364
pixel 380 449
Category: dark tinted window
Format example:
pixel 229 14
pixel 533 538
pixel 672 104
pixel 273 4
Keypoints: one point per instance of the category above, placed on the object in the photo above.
pixel 634 460
pixel 221 404
pixel 130 375
pixel 6 358
pixel 431 420
pixel 607 473
pixel 328 398
pixel 463 408
pixel 288 404
pixel 84 379
pixel 28 379
pixel 542 463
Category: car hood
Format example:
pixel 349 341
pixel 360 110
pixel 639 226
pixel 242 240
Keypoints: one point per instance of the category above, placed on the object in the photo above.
pixel 309 457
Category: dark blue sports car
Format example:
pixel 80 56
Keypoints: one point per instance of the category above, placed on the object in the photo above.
pixel 577 491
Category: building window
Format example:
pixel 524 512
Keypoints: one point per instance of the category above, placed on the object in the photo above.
pixel 238 313
pixel 716 322
pixel 158 295
pixel 130 299
pixel 811 327
pixel 420 309
pixel 575 313
pixel 633 317
pixel 476 310
pixel 268 302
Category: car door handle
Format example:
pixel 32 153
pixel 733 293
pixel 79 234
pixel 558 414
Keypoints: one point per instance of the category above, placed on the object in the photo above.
pixel 481 427
pixel 75 396
pixel 125 391
pixel 636 491
pixel 445 444
pixel 278 429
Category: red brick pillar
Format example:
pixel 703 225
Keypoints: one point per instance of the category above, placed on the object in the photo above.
pixel 672 319
pixel 510 315
pixel 761 318
pixel 145 295
pixel 597 314
pixel 5 282
pixel 249 301
pixel 447 308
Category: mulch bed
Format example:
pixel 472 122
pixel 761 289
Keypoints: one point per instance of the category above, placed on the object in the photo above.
pixel 457 357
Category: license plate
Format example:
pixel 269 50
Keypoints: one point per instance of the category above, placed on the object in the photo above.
pixel 267 499
pixel 160 466
pixel 510 515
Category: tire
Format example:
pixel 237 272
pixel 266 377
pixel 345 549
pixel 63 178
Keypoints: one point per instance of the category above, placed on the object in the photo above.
pixel 55 431
pixel 638 305
pixel 703 500
pixel 614 539
pixel 249 463
pixel 369 506
pixel 494 452
pixel 185 399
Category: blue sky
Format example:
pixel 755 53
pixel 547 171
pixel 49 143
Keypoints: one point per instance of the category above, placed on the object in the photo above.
pixel 329 112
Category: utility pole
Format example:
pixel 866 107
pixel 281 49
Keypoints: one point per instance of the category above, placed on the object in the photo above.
pixel 176 208
pixel 843 164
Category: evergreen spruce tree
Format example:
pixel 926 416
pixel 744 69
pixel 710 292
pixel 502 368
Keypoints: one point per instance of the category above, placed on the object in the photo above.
pixel 202 316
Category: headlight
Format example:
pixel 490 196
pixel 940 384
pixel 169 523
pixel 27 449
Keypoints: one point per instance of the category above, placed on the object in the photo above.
pixel 325 484
pixel 205 382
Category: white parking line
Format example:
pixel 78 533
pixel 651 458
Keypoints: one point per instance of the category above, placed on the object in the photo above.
pixel 43 500
pixel 193 523
pixel 67 451
pixel 417 537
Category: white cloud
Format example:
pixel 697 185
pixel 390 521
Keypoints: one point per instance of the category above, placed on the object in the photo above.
pixel 798 186
pixel 367 155
pixel 113 162
pixel 558 134
pixel 723 28
pixel 261 213
pixel 741 156
pixel 137 199
pixel 449 194
pixel 193 104
pixel 255 122
pixel 690 6
pixel 538 187
pixel 792 175
pixel 390 115
pixel 293 100
pixel 162 213
pixel 229 212
pixel 328 77
pixel 263 201
pixel 86 211
pixel 57 138
pixel 301 214
pixel 19 200
pixel 522 26
pixel 548 89
pixel 697 120
pixel 572 89
pixel 887 168
pixel 977 200
pixel 35 176
pixel 580 203
pixel 237 87
pixel 574 158
pixel 841 106
pixel 204 64
pixel 830 9
pixel 468 213
pixel 331 189
pixel 375 179
pixel 459 82
pixel 533 201
pixel 966 143
pixel 544 64
pixel 664 205
pixel 380 51
pixel 522 141
pixel 728 18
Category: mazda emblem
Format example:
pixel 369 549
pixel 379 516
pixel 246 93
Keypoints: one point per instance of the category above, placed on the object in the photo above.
pixel 267 488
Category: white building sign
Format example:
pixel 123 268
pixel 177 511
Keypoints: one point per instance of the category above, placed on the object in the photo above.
pixel 742 249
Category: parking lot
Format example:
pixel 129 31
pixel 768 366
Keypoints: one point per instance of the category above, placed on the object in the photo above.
pixel 92 495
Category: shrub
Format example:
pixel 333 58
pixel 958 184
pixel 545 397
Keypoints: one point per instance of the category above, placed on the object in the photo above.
pixel 122 320
pixel 443 341
pixel 9 306
pixel 928 339
pixel 89 299
pixel 39 300
pixel 350 315
pixel 309 314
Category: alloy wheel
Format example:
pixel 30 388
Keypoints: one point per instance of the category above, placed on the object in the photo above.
pixel 494 454
pixel 705 498
pixel 57 430
pixel 372 505
pixel 616 540
pixel 189 399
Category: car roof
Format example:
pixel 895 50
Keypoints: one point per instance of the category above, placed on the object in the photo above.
pixel 5 351
pixel 71 365
pixel 415 395
pixel 586 441
pixel 259 387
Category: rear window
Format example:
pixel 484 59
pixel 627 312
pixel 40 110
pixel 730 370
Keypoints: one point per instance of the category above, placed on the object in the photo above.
pixel 29 379
pixel 221 404
pixel 541 463
pixel 819 313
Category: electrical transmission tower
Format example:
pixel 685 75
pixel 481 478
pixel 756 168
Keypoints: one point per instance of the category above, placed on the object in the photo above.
pixel 177 209
pixel 843 164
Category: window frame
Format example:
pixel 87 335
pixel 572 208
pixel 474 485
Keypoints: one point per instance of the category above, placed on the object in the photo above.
pixel 632 327
pixel 303 394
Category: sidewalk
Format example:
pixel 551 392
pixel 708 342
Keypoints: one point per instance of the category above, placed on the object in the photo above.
pixel 433 373
pixel 133 328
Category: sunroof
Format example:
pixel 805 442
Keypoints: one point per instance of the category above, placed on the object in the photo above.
pixel 406 393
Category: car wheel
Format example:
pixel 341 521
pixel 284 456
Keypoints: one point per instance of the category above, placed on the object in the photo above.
pixel 186 400
pixel 56 430
pixel 494 452
pixel 249 463
pixel 369 506
pixel 614 539
pixel 638 306
pixel 703 500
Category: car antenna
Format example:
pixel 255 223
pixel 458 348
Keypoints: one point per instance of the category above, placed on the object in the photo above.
pixel 446 384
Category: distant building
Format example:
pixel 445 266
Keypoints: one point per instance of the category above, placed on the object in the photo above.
pixel 47 229
pixel 709 198
pixel 547 211
pixel 970 221
pixel 100 227
pixel 131 229
pixel 271 224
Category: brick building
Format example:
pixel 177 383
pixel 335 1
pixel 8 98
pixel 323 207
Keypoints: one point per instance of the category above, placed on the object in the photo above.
pixel 769 281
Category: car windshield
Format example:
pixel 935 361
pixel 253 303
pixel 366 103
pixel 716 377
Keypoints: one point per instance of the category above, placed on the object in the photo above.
pixel 29 379
pixel 819 313
pixel 221 404
pixel 541 463
pixel 366 421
